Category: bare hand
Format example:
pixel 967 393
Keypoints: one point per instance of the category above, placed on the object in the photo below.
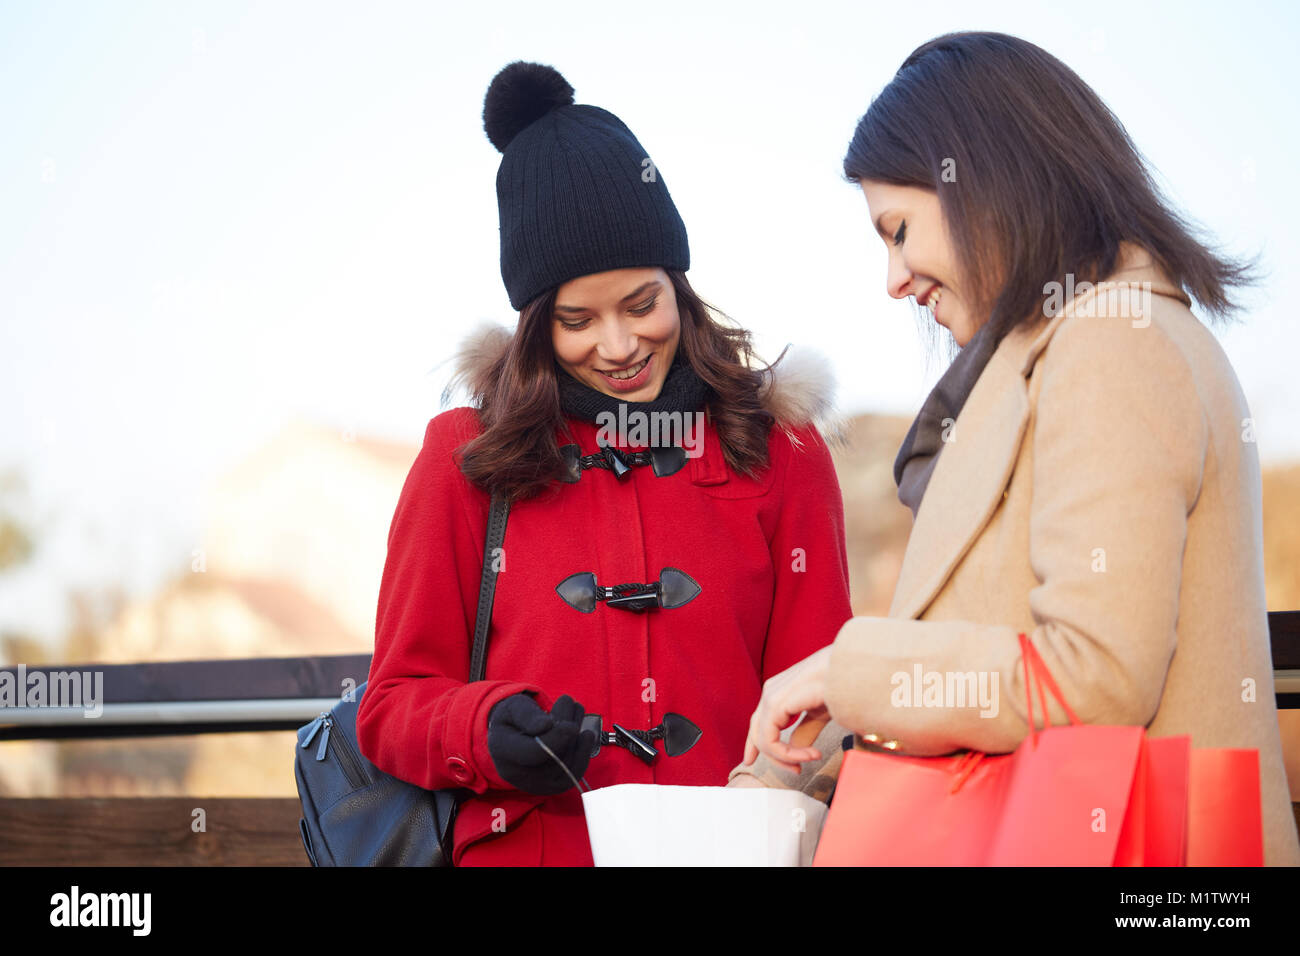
pixel 801 689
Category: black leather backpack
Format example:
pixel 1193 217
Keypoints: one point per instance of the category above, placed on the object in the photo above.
pixel 354 814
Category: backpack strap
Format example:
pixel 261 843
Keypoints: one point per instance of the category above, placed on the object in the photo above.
pixel 496 535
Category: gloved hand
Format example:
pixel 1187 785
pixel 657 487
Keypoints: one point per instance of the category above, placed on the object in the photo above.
pixel 513 724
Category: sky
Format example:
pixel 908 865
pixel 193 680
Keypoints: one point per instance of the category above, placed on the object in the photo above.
pixel 215 217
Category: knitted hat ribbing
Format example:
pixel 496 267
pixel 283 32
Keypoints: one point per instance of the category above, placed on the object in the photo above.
pixel 576 192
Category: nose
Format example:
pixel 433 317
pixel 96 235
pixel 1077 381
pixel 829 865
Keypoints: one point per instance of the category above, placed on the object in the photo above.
pixel 617 344
pixel 898 278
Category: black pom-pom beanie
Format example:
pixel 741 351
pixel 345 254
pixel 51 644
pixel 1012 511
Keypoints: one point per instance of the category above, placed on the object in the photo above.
pixel 576 192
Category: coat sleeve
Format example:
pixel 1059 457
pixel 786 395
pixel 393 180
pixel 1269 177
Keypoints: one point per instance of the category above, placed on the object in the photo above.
pixel 420 719
pixel 1120 439
pixel 810 601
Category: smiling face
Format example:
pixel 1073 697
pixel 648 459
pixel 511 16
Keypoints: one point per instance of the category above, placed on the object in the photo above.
pixel 618 331
pixel 921 262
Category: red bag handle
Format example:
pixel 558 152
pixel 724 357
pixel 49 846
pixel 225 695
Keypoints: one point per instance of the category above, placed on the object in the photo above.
pixel 1034 661
pixel 1034 665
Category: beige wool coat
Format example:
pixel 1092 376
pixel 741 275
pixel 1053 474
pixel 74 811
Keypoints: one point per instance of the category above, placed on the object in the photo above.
pixel 1100 491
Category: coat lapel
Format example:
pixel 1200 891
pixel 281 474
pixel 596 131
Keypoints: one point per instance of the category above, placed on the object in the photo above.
pixel 966 485
pixel 975 467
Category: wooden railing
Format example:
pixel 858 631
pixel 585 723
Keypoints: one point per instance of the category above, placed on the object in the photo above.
pixel 232 696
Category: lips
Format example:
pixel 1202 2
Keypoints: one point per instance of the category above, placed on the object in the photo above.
pixel 631 383
pixel 628 372
pixel 931 300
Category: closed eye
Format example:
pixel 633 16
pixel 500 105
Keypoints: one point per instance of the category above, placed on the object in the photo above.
pixel 644 308
pixel 902 231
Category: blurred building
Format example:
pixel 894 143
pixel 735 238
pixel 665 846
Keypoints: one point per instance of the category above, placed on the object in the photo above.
pixel 292 552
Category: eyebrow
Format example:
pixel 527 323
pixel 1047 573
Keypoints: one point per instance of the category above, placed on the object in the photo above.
pixel 639 290
pixel 880 230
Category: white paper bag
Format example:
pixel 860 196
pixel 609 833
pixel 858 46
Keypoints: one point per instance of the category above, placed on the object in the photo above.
pixel 642 824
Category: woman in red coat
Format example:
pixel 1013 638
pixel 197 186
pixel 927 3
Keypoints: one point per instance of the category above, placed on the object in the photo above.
pixel 637 445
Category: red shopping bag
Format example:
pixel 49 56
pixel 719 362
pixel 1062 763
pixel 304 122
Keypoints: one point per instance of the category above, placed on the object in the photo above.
pixel 1225 824
pixel 1194 807
pixel 1080 795
pixel 1155 828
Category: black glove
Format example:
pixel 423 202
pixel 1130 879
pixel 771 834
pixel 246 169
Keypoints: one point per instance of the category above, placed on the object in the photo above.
pixel 514 727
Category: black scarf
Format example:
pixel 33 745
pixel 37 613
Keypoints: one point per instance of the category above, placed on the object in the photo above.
pixel 920 450
pixel 683 391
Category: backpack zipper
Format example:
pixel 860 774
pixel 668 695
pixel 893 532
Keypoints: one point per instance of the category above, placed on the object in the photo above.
pixel 348 761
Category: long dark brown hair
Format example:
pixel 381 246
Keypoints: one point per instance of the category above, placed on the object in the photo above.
pixel 518 398
pixel 1042 180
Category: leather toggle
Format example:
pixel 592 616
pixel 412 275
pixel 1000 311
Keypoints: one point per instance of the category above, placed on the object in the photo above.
pixel 673 589
pixel 678 734
pixel 615 461
pixel 663 461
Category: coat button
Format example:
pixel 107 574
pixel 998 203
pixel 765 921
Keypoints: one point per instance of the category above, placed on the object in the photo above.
pixel 459 769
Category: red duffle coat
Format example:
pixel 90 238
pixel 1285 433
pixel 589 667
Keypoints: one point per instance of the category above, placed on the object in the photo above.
pixel 768 554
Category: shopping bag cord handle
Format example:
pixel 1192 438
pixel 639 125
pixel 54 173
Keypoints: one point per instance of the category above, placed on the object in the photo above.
pixel 563 766
pixel 1034 662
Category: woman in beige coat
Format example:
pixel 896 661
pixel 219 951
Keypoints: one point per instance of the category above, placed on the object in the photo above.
pixel 1085 472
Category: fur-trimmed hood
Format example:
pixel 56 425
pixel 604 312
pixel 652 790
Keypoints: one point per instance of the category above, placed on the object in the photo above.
pixel 798 390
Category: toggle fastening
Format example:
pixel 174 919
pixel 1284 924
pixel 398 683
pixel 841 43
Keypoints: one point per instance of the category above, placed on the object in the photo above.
pixel 665 460
pixel 678 734
pixel 673 589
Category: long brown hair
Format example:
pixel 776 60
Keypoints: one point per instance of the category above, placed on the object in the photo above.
pixel 518 398
pixel 1036 177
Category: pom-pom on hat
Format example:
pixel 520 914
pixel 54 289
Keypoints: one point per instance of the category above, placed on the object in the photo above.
pixel 576 192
